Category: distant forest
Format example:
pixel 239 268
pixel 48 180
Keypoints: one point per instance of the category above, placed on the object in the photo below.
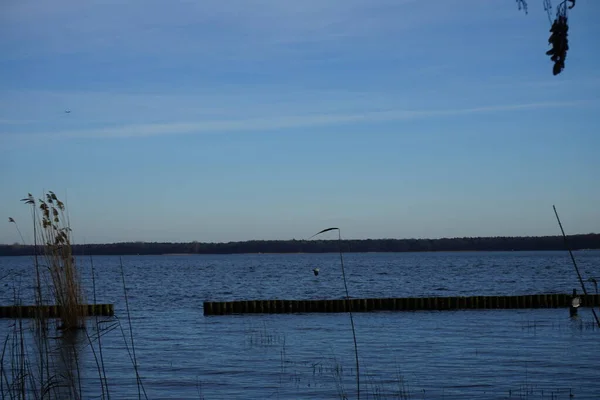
pixel 588 241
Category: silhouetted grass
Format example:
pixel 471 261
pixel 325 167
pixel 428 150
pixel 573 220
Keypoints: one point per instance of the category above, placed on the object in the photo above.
pixel 54 233
pixel 349 307
pixel 132 355
pixel 35 364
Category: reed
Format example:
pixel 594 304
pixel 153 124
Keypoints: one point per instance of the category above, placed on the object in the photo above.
pixel 132 355
pixel 99 359
pixel 568 247
pixel 53 232
pixel 349 307
pixel 33 363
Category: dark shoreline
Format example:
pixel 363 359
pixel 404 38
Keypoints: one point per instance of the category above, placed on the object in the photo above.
pixel 466 244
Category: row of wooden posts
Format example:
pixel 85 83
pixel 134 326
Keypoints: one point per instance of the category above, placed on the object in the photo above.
pixel 52 311
pixel 396 304
pixel 335 305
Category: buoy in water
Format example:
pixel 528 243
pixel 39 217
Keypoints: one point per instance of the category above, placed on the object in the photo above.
pixel 316 271
pixel 575 304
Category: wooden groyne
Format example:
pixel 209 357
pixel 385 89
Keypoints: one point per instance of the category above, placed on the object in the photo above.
pixel 395 304
pixel 52 311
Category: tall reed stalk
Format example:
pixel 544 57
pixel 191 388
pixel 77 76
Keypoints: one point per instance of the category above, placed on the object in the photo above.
pixel 54 233
pixel 349 303
pixel 58 369
pixel 574 263
pixel 100 359
pixel 132 355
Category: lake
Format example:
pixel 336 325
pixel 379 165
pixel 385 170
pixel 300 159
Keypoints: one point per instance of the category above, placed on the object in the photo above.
pixel 483 354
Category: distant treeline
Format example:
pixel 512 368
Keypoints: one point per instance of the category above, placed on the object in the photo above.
pixel 589 241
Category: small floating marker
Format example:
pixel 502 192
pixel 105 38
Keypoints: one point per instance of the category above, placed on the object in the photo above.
pixel 575 303
pixel 316 271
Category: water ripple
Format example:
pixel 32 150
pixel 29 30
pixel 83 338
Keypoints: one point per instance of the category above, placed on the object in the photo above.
pixel 491 354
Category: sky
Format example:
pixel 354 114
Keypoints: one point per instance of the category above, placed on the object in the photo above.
pixel 236 120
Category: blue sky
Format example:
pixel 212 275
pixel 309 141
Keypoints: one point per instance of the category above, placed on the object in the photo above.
pixel 268 119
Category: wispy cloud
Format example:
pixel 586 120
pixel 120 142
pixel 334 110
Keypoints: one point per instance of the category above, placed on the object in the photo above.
pixel 159 27
pixel 283 122
pixel 218 29
pixel 154 45
pixel 14 122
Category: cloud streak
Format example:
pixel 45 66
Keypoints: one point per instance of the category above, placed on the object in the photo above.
pixel 282 122
pixel 215 29
pixel 156 27
pixel 14 122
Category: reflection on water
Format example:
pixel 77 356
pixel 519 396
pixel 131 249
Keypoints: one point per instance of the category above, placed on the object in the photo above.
pixel 488 354
pixel 41 361
pixel 40 365
pixel 66 360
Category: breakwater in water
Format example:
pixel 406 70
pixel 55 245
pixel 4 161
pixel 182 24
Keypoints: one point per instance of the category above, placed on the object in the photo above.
pixel 396 304
pixel 53 311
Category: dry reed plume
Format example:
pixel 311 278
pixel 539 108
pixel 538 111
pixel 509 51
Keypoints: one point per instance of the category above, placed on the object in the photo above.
pixel 52 231
pixel 34 364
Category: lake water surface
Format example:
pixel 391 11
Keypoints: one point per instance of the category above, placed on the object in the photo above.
pixel 475 354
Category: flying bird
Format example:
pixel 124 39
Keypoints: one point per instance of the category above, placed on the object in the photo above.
pixel 67 111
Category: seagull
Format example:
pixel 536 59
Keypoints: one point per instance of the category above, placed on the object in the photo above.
pixel 67 111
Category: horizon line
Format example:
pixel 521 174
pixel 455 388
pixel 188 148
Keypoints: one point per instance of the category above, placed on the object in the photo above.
pixel 313 240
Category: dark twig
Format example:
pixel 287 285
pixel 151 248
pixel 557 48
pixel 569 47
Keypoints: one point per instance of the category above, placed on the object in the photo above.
pixel 102 370
pixel 349 303
pixel 574 262
pixel 134 358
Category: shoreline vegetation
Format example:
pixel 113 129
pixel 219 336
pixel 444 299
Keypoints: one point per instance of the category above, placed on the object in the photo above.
pixel 589 241
pixel 41 355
